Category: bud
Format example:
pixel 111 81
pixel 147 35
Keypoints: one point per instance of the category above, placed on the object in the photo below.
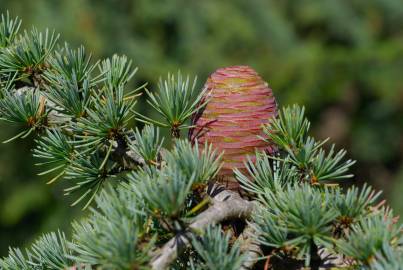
pixel 239 103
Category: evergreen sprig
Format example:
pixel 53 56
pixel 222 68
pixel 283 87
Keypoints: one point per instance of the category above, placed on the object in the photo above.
pixel 355 204
pixel 69 97
pixel 215 250
pixel 25 108
pixel 55 150
pixel 50 251
pixel 391 259
pixel 112 236
pixel 329 167
pixel 107 119
pixel 369 237
pixel 72 65
pixel 7 84
pixel 303 213
pixel 290 132
pixel 290 129
pixel 164 191
pixel 147 143
pixel 203 163
pixel 262 177
pixel 16 260
pixel 88 174
pixel 117 71
pixel 176 101
pixel 8 29
pixel 273 232
pixel 28 54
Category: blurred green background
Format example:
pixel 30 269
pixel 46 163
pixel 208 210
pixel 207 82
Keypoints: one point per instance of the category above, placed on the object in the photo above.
pixel 342 59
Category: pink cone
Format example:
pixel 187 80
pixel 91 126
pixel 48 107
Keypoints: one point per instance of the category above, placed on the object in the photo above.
pixel 240 102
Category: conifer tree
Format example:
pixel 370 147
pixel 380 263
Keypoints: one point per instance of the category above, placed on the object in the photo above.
pixel 157 202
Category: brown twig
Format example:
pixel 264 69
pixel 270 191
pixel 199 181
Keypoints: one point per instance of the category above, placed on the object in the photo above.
pixel 225 205
pixel 250 247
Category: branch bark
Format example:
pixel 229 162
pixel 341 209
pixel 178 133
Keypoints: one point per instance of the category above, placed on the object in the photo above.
pixel 250 247
pixel 226 205
pixel 128 159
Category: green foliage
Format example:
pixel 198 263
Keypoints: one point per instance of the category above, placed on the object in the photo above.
pixel 290 129
pixel 176 101
pixel 147 143
pixel 28 55
pixel 106 120
pixel 55 149
pixel 391 260
pixel 302 214
pixel 263 177
pixel 88 175
pixel 329 167
pixel 7 85
pixel 355 204
pixel 272 231
pixel 118 71
pixel 369 237
pixel 15 261
pixel 296 219
pixel 51 252
pixel 71 65
pixel 290 132
pixel 203 163
pixel 165 191
pixel 215 250
pixel 22 108
pixel 68 97
pixel 112 236
pixel 8 29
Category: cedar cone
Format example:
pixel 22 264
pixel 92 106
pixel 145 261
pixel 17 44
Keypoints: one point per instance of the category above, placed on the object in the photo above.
pixel 239 103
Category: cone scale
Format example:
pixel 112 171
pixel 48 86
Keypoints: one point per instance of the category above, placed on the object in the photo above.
pixel 239 103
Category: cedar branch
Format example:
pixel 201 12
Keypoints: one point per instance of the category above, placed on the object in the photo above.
pixel 225 205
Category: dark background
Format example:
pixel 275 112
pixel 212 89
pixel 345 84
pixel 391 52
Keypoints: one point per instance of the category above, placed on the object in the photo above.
pixel 342 59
